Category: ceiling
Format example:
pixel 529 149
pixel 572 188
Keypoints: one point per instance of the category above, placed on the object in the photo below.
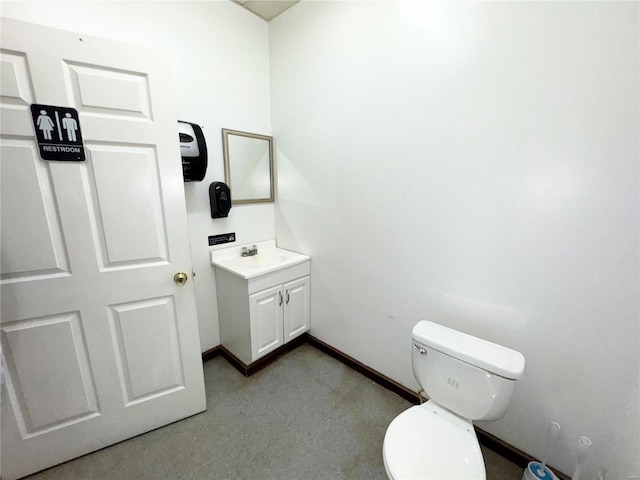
pixel 266 9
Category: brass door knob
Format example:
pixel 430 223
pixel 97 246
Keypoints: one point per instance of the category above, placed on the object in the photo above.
pixel 180 278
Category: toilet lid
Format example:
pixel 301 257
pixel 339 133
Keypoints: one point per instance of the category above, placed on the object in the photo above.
pixel 421 444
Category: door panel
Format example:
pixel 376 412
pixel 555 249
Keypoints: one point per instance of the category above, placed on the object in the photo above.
pixel 28 204
pixel 109 91
pixel 148 357
pixel 37 350
pixel 16 85
pixel 138 237
pixel 98 342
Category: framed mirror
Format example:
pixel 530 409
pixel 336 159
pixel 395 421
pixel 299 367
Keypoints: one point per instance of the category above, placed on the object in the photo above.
pixel 248 166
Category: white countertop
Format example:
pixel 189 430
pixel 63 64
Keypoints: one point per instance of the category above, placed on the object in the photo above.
pixel 269 259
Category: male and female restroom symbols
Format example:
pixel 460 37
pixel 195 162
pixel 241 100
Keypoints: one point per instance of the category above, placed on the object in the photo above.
pixel 58 133
pixel 46 125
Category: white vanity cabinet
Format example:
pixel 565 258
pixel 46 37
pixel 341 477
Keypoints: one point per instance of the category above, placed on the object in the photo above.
pixel 260 314
pixel 278 315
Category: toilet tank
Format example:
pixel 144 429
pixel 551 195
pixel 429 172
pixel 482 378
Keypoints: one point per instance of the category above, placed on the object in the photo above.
pixel 472 377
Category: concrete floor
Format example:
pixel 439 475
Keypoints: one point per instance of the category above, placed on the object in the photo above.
pixel 306 416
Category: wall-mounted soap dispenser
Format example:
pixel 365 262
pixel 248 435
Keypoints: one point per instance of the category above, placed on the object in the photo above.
pixel 220 199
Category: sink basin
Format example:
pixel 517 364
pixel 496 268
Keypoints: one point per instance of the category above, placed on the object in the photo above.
pixel 270 259
pixel 260 260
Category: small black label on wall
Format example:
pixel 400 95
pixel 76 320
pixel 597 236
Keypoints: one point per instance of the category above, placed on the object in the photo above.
pixel 222 238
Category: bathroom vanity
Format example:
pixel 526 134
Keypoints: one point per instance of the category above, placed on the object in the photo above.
pixel 263 299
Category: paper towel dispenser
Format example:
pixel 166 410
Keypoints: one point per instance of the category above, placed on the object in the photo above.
pixel 220 199
pixel 193 150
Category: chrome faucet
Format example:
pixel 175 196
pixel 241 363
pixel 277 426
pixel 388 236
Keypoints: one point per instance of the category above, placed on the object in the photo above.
pixel 249 251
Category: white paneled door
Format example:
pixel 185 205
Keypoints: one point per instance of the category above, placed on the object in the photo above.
pixel 99 343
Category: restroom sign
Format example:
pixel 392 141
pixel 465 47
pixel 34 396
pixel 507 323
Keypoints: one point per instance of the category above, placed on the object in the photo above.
pixel 58 133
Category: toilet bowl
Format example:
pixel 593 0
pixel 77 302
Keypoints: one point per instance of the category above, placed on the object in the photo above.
pixel 423 442
pixel 466 379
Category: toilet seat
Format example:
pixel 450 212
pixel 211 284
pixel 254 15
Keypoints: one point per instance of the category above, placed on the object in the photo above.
pixel 429 442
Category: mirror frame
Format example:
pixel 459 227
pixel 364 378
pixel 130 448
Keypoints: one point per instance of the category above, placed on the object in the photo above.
pixel 227 165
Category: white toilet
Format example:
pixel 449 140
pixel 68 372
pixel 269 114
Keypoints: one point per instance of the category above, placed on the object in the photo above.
pixel 465 378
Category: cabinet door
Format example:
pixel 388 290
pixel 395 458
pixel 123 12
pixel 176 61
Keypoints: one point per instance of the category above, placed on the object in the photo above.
pixel 265 310
pixel 296 307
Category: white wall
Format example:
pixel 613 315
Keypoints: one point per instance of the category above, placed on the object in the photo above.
pixel 475 164
pixel 220 54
